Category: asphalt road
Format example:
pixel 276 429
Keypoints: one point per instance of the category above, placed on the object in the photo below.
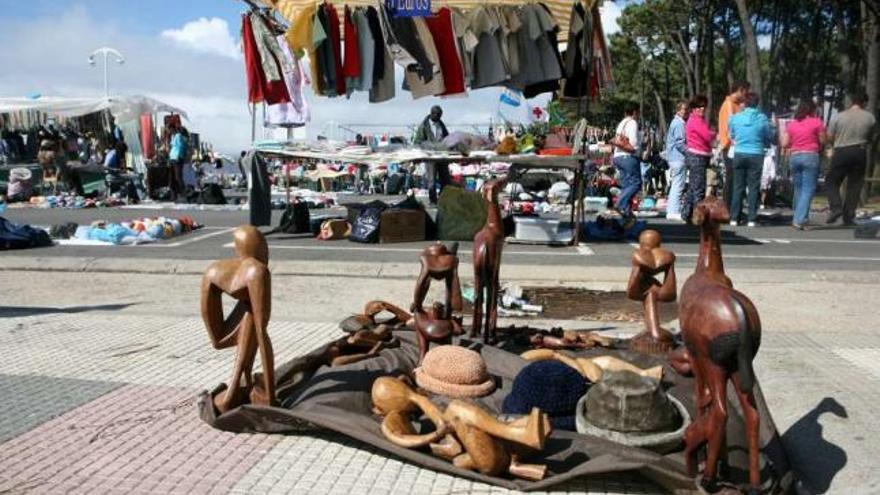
pixel 773 245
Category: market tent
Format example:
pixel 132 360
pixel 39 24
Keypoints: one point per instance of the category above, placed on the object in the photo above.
pixel 123 108
pixel 561 9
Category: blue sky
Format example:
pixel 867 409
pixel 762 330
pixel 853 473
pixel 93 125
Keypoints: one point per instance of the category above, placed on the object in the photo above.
pixel 185 52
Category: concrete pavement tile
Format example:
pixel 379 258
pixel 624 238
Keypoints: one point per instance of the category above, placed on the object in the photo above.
pixel 94 442
pixel 137 349
pixel 29 400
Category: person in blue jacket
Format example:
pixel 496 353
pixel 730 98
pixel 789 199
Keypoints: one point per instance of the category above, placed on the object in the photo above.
pixel 751 133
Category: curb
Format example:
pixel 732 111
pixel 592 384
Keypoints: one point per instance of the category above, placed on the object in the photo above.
pixel 615 277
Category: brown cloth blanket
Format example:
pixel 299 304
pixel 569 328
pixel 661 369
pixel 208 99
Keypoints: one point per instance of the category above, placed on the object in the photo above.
pixel 312 394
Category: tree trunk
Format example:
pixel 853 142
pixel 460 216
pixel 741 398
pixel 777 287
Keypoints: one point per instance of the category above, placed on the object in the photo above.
pixel 872 84
pixel 661 113
pixel 753 61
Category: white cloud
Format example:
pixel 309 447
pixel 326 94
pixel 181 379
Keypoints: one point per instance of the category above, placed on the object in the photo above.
pixel 205 36
pixel 610 12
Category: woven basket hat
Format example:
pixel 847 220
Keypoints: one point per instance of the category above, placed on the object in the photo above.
pixel 453 371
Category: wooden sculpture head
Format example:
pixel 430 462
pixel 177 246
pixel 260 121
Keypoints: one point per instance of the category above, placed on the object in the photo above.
pixel 709 214
pixel 250 243
pixel 438 259
pixel 491 189
pixel 649 239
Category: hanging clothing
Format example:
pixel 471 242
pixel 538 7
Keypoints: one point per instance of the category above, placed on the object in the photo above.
pixel 351 67
pixel 147 136
pixel 259 87
pixel 366 49
pixel 383 88
pixel 440 26
pixel 576 61
pixel 396 48
pixel 548 47
pixel 510 26
pixel 325 67
pixel 336 43
pixel 418 84
pixel 489 67
pixel 271 59
pixel 300 33
pixel 296 112
pixel 467 42
pixel 259 189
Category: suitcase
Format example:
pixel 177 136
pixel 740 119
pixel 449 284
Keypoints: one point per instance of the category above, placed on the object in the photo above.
pixel 402 226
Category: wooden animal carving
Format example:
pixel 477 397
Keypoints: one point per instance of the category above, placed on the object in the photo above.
pixel 246 279
pixel 444 319
pixel 488 244
pixel 722 332
pixel 648 261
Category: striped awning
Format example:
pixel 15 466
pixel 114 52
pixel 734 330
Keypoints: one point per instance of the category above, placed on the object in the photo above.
pixel 561 9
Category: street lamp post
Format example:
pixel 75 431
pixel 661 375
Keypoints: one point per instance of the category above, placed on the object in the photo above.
pixel 106 52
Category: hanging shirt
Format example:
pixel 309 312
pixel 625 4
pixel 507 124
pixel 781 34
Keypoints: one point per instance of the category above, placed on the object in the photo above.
pixel 366 49
pixel 440 26
pixel 467 42
pixel 548 47
pixel 510 25
pixel 415 78
pixel 296 112
pixel 336 43
pixel 489 68
pixel 396 48
pixel 576 68
pixel 324 78
pixel 271 59
pixel 351 67
pixel 383 88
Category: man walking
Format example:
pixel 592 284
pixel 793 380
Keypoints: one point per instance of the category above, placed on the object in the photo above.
pixel 732 104
pixel 852 133
pixel 626 161
pixel 676 147
pixel 431 133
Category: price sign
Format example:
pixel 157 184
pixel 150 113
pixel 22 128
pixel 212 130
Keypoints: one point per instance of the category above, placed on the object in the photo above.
pixel 410 8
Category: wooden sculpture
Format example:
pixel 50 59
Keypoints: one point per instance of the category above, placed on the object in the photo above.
pixel 722 332
pixel 648 261
pixel 396 401
pixel 464 433
pixel 369 318
pixel 443 320
pixel 569 339
pixel 488 244
pixel 592 369
pixel 246 279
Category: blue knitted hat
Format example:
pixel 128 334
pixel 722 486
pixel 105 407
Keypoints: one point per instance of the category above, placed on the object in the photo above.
pixel 553 387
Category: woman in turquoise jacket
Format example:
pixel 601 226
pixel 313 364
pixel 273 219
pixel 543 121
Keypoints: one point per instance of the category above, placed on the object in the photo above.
pixel 751 133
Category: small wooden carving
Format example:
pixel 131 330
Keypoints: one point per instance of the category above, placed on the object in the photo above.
pixel 569 339
pixel 443 320
pixel 722 331
pixel 464 433
pixel 488 244
pixel 648 261
pixel 246 279
pixel 395 400
pixel 592 369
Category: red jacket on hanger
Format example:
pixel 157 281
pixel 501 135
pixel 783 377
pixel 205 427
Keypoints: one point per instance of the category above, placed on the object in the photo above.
pixel 352 64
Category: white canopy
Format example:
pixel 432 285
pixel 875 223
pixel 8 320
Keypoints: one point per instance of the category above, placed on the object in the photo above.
pixel 123 108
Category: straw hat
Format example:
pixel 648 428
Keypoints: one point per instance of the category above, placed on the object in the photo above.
pixel 455 372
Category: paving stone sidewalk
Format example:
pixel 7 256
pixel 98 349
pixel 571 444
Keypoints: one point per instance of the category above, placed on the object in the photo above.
pixel 104 403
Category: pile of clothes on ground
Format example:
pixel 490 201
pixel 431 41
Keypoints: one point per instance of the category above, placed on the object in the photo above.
pixel 140 231
pixel 73 201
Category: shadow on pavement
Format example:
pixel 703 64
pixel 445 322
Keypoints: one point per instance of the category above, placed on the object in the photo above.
pixel 18 311
pixel 816 460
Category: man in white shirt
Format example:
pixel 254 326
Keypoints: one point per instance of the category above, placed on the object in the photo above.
pixel 626 161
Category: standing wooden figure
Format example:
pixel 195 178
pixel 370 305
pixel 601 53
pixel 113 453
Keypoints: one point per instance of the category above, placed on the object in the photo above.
pixel 648 261
pixel 444 319
pixel 246 279
pixel 488 244
pixel 722 332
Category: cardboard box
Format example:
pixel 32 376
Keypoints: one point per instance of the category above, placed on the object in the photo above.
pixel 402 226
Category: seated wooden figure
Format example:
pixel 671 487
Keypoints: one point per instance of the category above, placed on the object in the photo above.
pixel 648 261
pixel 444 319
pixel 245 278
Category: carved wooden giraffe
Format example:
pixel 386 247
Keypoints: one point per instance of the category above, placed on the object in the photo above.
pixel 488 244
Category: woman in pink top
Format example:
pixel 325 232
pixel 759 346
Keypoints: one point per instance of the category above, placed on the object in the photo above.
pixel 698 137
pixel 803 139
